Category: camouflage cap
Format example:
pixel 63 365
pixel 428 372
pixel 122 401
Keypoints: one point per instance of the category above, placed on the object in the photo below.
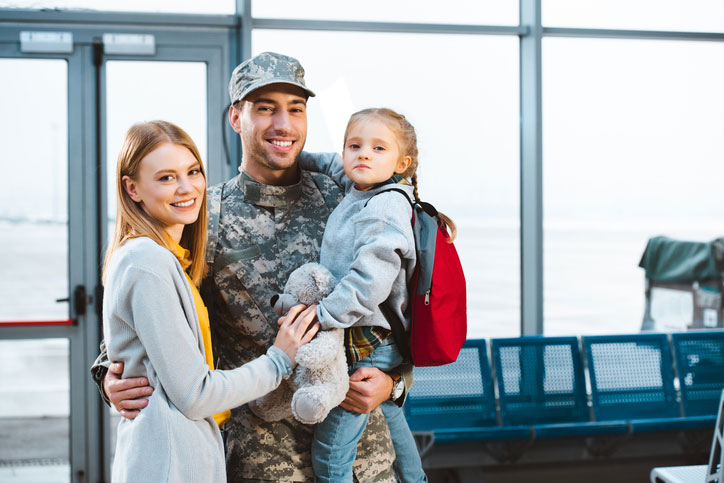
pixel 264 69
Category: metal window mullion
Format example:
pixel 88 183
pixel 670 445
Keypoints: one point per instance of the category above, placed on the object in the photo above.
pixel 74 18
pixel 77 230
pixel 394 27
pixel 531 168
pixel 30 333
pixel 242 52
pixel 243 11
pixel 216 75
pixel 87 445
pixel 632 34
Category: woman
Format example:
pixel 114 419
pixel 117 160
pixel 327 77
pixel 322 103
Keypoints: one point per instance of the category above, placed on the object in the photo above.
pixel 156 324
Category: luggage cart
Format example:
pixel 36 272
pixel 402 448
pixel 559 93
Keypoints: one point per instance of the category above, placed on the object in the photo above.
pixel 684 281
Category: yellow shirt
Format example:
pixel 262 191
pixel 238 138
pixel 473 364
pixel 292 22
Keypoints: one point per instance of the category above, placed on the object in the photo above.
pixel 203 315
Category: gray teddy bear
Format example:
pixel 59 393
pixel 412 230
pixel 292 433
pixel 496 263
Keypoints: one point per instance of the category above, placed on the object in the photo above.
pixel 320 380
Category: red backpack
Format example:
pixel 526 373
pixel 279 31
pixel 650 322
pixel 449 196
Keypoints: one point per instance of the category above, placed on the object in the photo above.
pixel 437 308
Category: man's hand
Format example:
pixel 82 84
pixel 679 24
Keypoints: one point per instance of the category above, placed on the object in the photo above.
pixel 123 393
pixel 368 388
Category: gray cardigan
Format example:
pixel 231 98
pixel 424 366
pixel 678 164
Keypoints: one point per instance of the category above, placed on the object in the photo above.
pixel 151 325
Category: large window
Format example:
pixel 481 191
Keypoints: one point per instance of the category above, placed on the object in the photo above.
pixel 34 393
pixel 34 410
pixel 683 15
pixel 140 91
pixel 412 11
pixel 34 189
pixel 632 149
pixel 461 94
pixel 630 134
pixel 156 6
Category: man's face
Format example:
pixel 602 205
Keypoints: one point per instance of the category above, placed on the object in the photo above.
pixel 272 123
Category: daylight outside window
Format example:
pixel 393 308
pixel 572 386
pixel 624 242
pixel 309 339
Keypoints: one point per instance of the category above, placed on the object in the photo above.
pixel 632 143
pixel 467 127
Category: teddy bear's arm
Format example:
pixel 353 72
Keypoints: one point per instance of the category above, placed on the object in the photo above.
pixel 322 350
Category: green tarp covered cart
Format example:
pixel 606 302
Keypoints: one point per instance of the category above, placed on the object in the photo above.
pixel 683 284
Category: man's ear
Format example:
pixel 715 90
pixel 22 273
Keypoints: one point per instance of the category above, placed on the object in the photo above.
pixel 403 164
pixel 130 186
pixel 235 119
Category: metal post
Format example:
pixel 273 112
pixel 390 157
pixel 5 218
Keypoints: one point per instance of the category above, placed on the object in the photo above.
pixel 243 11
pixel 531 167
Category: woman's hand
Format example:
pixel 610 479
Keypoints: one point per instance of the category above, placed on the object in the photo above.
pixel 296 328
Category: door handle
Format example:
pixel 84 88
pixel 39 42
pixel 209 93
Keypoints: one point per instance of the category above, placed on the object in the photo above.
pixel 80 300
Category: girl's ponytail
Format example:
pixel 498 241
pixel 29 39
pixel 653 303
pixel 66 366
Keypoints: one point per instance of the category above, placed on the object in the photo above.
pixel 452 229
pixel 450 224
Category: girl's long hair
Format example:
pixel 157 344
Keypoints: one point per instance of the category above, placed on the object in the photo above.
pixel 407 143
pixel 132 221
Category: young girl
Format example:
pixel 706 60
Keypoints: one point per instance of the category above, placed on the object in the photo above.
pixel 156 324
pixel 369 246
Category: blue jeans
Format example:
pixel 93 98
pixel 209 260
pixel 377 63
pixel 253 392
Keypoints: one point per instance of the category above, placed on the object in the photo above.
pixel 335 439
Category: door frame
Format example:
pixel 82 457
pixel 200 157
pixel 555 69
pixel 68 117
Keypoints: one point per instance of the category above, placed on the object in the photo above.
pixel 178 38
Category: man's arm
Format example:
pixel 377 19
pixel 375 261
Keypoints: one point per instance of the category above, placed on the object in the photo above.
pixel 327 163
pixel 369 387
pixel 99 369
pixel 124 394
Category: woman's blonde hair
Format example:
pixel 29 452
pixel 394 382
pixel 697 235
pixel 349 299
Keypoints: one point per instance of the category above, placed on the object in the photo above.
pixel 407 144
pixel 132 221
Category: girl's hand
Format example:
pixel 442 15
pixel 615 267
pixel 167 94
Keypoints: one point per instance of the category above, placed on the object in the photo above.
pixel 297 327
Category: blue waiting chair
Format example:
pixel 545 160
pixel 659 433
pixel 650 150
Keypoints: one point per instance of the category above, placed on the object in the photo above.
pixel 541 384
pixel 699 357
pixel 456 401
pixel 632 380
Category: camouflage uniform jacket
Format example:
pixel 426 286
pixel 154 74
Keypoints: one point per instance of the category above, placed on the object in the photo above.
pixel 257 236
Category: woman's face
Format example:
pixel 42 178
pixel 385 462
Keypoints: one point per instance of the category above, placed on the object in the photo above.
pixel 169 186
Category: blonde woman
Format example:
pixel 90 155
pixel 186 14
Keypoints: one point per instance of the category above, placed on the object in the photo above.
pixel 155 322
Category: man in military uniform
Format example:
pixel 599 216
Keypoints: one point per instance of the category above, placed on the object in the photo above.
pixel 264 223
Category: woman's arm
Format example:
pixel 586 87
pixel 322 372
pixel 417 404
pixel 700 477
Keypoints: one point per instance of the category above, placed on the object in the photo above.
pixel 126 395
pixel 173 351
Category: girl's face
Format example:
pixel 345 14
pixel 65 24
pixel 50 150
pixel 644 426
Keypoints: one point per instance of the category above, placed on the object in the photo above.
pixel 169 186
pixel 371 154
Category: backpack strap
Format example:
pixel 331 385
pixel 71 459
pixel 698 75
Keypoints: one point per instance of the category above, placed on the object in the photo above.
pixel 402 338
pixel 423 205
pixel 398 190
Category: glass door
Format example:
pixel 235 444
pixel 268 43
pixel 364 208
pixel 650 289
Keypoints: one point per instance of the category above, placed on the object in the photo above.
pixel 182 85
pixel 64 113
pixel 144 90
pixel 40 319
